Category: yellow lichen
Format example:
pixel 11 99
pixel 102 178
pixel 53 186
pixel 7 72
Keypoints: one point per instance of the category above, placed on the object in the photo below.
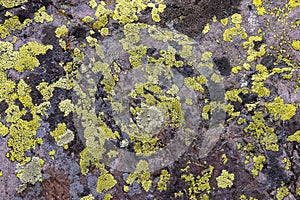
pixel 252 53
pixel 230 33
pixel 259 162
pixel 163 179
pixel 236 18
pixel 30 173
pixel 88 197
pixel 61 31
pixel 41 16
pixel 224 21
pixel 66 106
pixel 279 110
pixel 296 45
pixel 225 179
pixel 206 29
pixel 11 4
pixel 142 175
pixel 105 182
pixel 62 135
pixel 287 163
pixel 198 184
pixel 282 192
pixel 294 138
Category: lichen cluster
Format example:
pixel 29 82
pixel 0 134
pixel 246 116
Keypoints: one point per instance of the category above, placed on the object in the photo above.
pixel 138 89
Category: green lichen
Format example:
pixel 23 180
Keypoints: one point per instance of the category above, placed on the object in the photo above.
pixel 62 135
pixel 196 83
pixel 66 106
pixel 225 180
pixel 296 45
pixel 259 5
pixel 287 163
pixel 105 182
pixel 141 175
pixel 88 197
pixel 11 4
pixel 107 197
pixel 282 192
pixel 279 110
pixel 259 162
pixel 41 16
pixel 30 173
pixel 244 197
pixel 12 24
pixel 46 90
pixel 294 137
pixel 200 184
pixel 163 180
pixel 252 53
pixel 150 119
pixel 61 31
pixel 233 32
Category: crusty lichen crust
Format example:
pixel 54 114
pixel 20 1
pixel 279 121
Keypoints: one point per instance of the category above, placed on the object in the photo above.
pixel 154 97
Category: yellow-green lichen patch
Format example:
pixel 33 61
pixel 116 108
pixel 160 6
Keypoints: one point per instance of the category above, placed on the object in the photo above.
pixel 11 4
pixel 258 81
pixel 296 45
pixel 107 197
pixel 105 182
pixel 88 197
pixel 46 90
pixel 155 10
pixel 198 186
pixel 149 119
pixel 252 53
pixel 27 56
pixel 224 21
pixel 61 31
pixel 236 18
pixel 41 16
pixel 196 83
pixel 244 197
pixel 21 139
pixel 279 110
pixel 62 135
pixel 298 191
pixel 66 106
pixel 141 175
pixel 52 153
pixel 30 173
pixel 259 5
pixel 287 163
pixel 225 180
pixel 235 31
pixel 282 192
pixel 293 4
pixel 258 162
pixel 224 158
pixel 163 180
pixel 294 138
pixel 11 24
pixel 265 133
